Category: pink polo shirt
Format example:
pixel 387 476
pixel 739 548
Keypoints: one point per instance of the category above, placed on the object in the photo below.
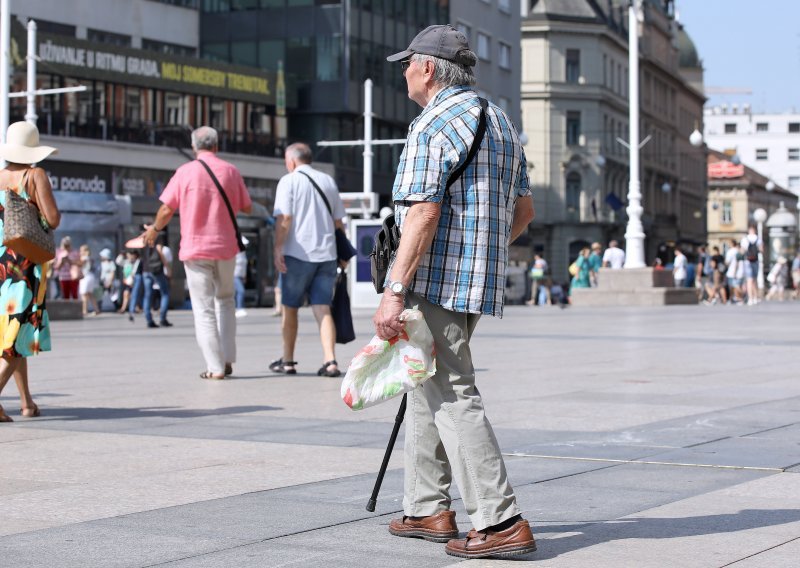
pixel 207 232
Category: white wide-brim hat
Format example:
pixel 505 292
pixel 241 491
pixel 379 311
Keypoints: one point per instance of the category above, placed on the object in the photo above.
pixel 22 145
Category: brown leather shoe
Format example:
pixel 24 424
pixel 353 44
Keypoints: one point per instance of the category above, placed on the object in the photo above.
pixel 440 527
pixel 482 544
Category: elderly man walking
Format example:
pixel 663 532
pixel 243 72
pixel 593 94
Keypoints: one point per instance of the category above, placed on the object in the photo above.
pixel 452 263
pixel 208 192
pixel 308 210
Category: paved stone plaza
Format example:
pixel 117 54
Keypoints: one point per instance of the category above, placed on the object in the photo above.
pixel 634 437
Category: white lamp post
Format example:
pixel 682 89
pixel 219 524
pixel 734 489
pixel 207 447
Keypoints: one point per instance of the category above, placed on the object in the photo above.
pixel 759 216
pixel 634 232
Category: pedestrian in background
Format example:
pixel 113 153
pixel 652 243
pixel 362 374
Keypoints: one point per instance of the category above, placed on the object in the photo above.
pixel 127 261
pixel 752 248
pixel 67 266
pixel 88 284
pixel 154 276
pixel 23 317
pixel 717 291
pixel 703 273
pixel 208 245
pixel 438 269
pixel 305 253
pixel 796 275
pixel 778 277
pixel 735 272
pixel 614 257
pixel 239 278
pixel 538 271
pixel 582 278
pixel 679 268
pixel 108 277
pixel 595 264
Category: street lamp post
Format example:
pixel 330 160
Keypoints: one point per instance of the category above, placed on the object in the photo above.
pixel 634 232
pixel 759 216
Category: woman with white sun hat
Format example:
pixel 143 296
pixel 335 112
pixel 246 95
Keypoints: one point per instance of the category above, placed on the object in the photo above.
pixel 24 323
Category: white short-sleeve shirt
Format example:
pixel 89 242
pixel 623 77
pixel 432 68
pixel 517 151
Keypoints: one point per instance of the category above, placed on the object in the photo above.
pixel 311 237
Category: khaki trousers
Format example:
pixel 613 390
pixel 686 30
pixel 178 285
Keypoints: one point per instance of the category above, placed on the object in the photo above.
pixel 447 433
pixel 212 292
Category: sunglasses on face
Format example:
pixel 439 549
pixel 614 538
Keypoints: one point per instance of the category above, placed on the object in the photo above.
pixel 405 64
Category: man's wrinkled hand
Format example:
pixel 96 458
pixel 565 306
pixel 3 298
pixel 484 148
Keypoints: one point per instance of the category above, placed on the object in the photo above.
pixel 387 317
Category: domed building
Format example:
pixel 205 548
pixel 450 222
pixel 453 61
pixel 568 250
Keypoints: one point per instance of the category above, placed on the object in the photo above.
pixel 575 115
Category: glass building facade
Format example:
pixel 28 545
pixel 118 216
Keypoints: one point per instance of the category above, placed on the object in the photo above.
pixel 328 48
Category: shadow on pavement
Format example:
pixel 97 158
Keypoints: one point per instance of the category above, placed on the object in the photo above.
pixel 657 528
pixel 52 413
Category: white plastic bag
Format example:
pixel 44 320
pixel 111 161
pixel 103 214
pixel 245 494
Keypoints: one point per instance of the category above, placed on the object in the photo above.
pixel 385 369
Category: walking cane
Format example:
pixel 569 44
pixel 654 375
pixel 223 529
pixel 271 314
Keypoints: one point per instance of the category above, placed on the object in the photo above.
pixel 398 420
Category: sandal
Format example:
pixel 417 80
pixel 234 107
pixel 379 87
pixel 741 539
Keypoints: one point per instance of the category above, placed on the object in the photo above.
pixel 285 367
pixel 5 417
pixel 31 412
pixel 228 369
pixel 324 372
pixel 211 376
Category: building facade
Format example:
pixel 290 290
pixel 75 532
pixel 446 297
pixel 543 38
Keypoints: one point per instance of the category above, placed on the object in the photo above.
pixel 769 143
pixel 735 191
pixel 575 117
pixel 121 139
pixel 328 48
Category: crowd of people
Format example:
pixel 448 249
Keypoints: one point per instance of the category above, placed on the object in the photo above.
pixel 720 276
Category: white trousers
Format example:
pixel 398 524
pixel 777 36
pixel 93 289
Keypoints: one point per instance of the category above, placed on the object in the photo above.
pixel 212 291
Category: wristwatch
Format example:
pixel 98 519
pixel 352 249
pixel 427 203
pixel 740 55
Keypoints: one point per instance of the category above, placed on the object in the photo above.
pixel 396 288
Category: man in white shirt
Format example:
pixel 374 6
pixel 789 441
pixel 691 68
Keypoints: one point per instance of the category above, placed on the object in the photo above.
pixel 305 253
pixel 679 269
pixel 614 257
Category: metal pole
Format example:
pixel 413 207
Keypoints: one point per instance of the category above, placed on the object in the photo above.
pixel 368 136
pixel 5 48
pixel 760 275
pixel 634 233
pixel 30 115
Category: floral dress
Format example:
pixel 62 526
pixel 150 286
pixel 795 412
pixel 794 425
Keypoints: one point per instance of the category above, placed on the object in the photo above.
pixel 24 323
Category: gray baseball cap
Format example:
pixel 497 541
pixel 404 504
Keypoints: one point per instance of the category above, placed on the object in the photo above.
pixel 443 41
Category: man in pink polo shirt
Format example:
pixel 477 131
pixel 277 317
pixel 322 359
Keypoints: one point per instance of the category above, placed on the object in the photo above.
pixel 208 245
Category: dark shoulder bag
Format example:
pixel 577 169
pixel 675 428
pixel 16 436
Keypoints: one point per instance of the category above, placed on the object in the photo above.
pixel 344 250
pixel 239 240
pixel 388 238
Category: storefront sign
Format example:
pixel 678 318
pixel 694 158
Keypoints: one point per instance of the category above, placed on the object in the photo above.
pixel 83 59
pixel 86 178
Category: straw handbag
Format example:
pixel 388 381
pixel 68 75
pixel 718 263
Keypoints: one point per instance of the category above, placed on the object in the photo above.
pixel 23 231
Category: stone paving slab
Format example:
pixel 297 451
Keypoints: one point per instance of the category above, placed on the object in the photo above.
pixel 137 462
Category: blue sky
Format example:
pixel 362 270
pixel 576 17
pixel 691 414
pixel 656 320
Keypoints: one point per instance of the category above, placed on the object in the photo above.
pixel 748 44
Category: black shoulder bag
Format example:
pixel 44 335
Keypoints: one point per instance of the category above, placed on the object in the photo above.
pixel 388 238
pixel 239 240
pixel 344 250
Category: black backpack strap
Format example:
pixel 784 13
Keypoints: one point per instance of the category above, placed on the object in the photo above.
pixel 321 193
pixel 476 144
pixel 239 240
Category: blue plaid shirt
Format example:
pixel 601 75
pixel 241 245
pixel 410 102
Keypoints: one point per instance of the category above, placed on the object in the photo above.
pixel 465 268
